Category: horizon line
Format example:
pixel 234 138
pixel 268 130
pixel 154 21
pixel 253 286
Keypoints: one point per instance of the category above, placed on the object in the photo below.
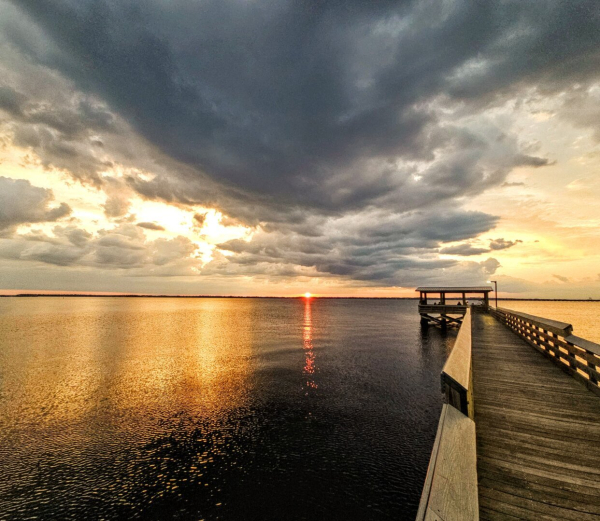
pixel 299 296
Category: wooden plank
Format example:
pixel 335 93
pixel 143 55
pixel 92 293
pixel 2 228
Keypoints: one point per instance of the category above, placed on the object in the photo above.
pixel 538 429
pixel 572 366
pixel 547 483
pixel 450 490
pixel 568 349
pixel 585 372
pixel 516 504
pixel 426 492
pixel 487 514
pixel 560 328
pixel 494 446
pixel 456 377
pixel 587 486
pixel 592 347
pixel 527 488
pixel 517 404
pixel 531 422
pixel 538 460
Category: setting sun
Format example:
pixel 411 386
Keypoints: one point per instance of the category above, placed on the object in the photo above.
pixel 307 295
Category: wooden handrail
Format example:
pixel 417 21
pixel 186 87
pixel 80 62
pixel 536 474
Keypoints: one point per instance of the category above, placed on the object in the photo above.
pixel 577 356
pixel 556 327
pixel 456 377
pixel 450 491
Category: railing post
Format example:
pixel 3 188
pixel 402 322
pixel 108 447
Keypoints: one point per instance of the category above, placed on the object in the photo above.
pixel 593 379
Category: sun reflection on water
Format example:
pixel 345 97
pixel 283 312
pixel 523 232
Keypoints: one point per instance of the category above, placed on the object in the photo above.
pixel 309 364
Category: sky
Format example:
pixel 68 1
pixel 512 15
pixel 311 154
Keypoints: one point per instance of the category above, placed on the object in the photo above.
pixel 250 147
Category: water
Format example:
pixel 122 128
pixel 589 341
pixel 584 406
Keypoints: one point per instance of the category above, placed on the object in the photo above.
pixel 583 316
pixel 252 409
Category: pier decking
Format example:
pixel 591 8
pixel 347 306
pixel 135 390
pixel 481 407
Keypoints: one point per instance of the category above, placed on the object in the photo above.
pixel 524 414
pixel 538 432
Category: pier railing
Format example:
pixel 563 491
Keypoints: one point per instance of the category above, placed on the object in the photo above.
pixel 450 489
pixel 457 377
pixel 575 355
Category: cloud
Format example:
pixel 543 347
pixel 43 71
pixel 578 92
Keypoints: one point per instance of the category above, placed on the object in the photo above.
pixel 22 203
pixel 367 246
pixel 297 114
pixel 350 134
pixel 199 219
pixel 123 247
pixel 118 197
pixel 561 278
pixel 463 249
pixel 467 249
pixel 501 244
pixel 150 226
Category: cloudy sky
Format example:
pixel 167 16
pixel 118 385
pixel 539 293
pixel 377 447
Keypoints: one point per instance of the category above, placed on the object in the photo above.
pixel 258 147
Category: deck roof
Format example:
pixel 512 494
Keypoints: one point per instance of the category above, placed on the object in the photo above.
pixel 455 289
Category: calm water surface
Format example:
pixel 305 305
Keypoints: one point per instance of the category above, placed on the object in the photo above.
pixel 215 408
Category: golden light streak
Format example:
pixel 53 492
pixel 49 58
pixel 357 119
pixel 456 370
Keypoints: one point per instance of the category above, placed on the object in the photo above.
pixel 309 362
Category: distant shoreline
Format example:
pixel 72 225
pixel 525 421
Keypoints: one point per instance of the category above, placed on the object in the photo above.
pixel 88 295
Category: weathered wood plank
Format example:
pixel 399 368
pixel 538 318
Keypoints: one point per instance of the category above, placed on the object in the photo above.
pixel 450 490
pixel 538 429
pixel 456 377
pixel 559 328
pixel 491 515
pixel 544 462
pixel 585 344
pixel 533 508
pixel 528 488
pixel 542 442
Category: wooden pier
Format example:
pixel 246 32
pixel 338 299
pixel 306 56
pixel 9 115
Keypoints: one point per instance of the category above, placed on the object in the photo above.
pixel 519 434
pixel 451 304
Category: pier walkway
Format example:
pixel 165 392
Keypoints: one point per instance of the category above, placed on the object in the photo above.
pixel 519 431
pixel 538 431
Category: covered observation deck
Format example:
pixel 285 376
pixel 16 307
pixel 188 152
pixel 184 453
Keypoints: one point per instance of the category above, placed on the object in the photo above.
pixel 448 305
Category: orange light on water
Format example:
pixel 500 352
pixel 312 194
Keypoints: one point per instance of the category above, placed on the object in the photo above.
pixel 307 295
pixel 309 365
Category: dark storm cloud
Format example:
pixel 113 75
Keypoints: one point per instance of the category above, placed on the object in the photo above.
pixel 370 247
pixel 71 121
pixel 279 97
pixel 60 126
pixel 351 132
